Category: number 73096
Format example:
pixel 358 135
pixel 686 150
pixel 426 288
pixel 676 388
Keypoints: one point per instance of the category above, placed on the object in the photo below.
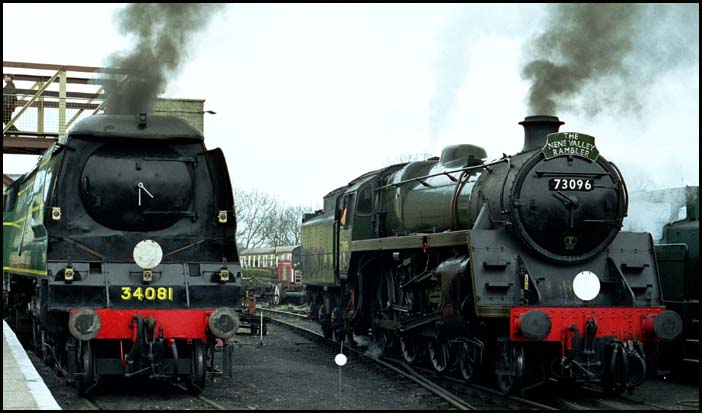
pixel 147 293
pixel 571 184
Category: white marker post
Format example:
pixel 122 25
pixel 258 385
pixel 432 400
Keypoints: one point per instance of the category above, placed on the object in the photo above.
pixel 260 343
pixel 340 361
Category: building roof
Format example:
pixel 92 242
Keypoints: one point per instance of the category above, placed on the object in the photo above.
pixel 8 179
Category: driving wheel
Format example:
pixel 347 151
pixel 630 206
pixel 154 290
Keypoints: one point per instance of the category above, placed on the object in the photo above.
pixel 469 359
pixel 509 366
pixel 198 368
pixel 439 354
pixel 409 347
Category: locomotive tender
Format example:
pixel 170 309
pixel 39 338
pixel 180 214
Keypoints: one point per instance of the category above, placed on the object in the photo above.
pixel 119 252
pixel 518 264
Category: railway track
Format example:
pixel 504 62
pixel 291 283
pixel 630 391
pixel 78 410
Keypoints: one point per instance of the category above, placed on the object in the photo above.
pixel 176 397
pixel 448 392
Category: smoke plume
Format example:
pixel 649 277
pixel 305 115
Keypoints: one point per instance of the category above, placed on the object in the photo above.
pixel 596 56
pixel 162 43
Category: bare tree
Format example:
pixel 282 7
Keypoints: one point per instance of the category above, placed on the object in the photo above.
pixel 255 216
pixel 263 221
pixel 289 225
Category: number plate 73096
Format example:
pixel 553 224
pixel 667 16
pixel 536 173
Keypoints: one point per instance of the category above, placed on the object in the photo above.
pixel 570 184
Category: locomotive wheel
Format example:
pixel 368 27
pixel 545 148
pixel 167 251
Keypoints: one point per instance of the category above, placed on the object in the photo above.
pixel 85 368
pixel 381 339
pixel 198 368
pixel 439 354
pixel 509 366
pixel 409 347
pixel 469 359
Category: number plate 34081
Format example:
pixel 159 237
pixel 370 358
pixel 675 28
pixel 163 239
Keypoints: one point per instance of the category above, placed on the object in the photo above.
pixel 147 293
pixel 570 184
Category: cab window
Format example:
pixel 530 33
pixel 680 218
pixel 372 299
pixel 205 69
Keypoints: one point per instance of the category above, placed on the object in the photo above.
pixel 365 201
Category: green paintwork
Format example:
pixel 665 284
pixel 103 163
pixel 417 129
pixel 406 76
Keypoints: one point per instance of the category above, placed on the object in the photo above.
pixel 24 233
pixel 426 205
pixel 570 143
pixel 442 239
pixel 318 251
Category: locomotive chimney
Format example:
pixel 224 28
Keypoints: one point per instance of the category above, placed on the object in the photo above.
pixel 536 128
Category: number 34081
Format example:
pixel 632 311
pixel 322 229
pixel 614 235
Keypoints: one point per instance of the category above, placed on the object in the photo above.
pixel 148 293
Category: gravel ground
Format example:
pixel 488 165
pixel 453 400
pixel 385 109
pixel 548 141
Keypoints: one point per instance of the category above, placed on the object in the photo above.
pixel 287 372
pixel 291 372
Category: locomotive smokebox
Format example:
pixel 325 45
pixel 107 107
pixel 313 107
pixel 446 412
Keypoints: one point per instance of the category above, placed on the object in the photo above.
pixel 536 128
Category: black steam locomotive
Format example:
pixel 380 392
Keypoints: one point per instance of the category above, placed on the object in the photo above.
pixel 119 252
pixel 517 265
